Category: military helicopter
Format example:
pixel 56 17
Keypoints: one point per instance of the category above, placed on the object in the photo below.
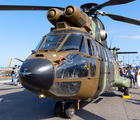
pixel 73 60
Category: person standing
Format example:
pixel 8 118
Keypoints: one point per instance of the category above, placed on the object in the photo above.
pixel 138 78
pixel 135 76
pixel 121 72
pixel 124 72
pixel 131 75
pixel 13 75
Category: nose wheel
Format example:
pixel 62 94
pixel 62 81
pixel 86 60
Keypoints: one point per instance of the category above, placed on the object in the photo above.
pixel 67 109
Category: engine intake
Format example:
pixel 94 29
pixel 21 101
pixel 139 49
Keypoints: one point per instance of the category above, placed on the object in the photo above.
pixel 54 15
pixel 72 16
pixel 75 16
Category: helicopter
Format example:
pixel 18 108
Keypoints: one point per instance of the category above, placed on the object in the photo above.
pixel 73 60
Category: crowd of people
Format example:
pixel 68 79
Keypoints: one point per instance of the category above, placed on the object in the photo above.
pixel 133 74
pixel 15 74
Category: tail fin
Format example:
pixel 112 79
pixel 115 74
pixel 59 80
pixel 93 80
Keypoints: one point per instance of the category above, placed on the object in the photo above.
pixel 16 59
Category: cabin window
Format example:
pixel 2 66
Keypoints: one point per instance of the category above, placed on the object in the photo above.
pixel 53 41
pixel 95 48
pixel 105 55
pixel 102 53
pixel 92 66
pixel 74 42
pixel 110 57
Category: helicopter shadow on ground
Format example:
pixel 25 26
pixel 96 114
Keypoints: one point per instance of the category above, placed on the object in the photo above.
pixel 25 105
pixel 85 114
pixel 110 94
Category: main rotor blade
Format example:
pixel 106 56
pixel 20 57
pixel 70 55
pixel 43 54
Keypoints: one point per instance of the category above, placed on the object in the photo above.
pixel 113 2
pixel 126 52
pixel 18 7
pixel 122 18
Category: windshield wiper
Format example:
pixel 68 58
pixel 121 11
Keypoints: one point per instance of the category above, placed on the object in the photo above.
pixel 65 49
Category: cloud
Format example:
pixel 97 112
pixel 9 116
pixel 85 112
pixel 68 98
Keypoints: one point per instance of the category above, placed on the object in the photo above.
pixel 131 37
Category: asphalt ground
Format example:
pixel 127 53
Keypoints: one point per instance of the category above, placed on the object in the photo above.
pixel 17 103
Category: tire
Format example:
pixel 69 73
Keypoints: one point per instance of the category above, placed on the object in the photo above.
pixel 126 91
pixel 69 110
pixel 58 109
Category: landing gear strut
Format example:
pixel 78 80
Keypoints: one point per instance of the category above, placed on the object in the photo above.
pixel 67 109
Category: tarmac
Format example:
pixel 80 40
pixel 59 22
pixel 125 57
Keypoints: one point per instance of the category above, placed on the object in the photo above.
pixel 17 103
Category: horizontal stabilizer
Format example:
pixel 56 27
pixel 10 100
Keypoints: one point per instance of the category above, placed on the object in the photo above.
pixel 127 52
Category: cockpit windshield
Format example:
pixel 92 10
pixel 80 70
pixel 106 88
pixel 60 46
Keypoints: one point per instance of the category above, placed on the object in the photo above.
pixel 53 41
pixel 74 42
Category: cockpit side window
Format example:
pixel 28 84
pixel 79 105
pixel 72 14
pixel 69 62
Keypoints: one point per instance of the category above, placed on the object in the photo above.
pixel 82 46
pixel 39 44
pixel 90 48
pixel 74 42
pixel 53 41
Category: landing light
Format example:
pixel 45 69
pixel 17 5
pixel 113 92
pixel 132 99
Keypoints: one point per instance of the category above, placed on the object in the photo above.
pixel 41 96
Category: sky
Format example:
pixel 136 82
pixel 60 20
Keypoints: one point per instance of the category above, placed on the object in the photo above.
pixel 21 31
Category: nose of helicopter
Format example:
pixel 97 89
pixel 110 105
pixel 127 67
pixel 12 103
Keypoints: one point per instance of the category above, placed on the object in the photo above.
pixel 37 74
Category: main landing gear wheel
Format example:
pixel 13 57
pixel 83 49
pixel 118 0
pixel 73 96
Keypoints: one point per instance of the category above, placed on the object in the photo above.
pixel 58 109
pixel 124 89
pixel 69 110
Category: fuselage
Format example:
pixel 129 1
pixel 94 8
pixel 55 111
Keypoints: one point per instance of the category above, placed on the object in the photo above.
pixel 68 64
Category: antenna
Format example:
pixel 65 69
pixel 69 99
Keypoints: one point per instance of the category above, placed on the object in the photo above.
pixel 137 60
pixel 111 42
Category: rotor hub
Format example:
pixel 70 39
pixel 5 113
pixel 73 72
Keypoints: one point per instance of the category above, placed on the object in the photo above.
pixel 88 8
